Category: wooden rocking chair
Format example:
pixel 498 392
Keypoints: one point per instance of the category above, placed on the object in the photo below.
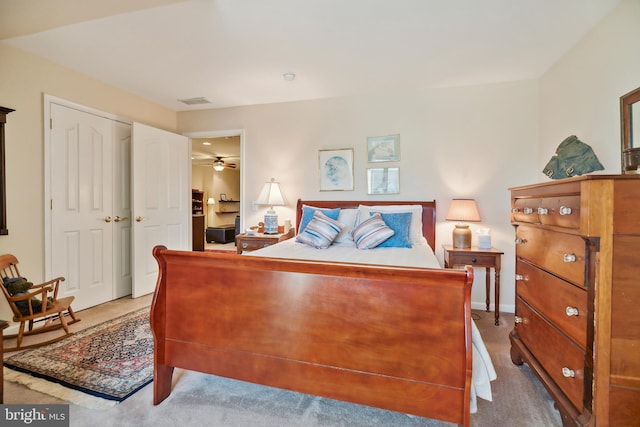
pixel 50 306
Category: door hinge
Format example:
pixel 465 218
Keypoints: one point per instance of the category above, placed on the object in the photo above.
pixel 51 204
pixel 50 123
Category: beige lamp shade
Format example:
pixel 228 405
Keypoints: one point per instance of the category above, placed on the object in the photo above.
pixel 271 195
pixel 462 210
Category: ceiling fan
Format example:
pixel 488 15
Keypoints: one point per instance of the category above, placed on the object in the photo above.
pixel 219 164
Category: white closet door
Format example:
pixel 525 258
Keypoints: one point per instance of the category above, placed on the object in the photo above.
pixel 161 200
pixel 122 256
pixel 81 170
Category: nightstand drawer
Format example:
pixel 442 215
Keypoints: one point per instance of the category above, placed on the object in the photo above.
pixel 252 245
pixel 246 243
pixel 461 259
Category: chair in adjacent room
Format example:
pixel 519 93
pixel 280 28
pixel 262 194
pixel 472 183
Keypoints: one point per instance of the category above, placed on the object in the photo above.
pixel 34 304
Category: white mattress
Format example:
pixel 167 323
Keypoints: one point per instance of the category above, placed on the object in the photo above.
pixel 420 255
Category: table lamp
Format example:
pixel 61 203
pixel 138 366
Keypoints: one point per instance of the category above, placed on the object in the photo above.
pixel 271 195
pixel 462 210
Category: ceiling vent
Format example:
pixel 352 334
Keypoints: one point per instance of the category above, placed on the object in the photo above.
pixel 195 101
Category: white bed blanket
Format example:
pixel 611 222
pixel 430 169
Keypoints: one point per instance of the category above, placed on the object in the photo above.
pixel 420 255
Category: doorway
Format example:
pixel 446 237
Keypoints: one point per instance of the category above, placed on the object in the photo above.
pixel 217 170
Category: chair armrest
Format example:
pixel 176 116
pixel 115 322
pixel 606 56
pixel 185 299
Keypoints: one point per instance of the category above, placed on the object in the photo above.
pixel 41 293
pixel 52 286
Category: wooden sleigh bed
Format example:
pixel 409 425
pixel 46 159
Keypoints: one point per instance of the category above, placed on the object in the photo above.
pixel 396 338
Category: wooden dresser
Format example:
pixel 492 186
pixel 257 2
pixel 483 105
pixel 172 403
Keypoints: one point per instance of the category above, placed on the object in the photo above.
pixel 578 293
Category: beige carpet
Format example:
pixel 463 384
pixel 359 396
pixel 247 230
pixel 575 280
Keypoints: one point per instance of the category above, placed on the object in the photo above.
pixel 205 400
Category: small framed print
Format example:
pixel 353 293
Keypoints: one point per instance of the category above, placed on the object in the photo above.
pixel 336 169
pixel 383 148
pixel 223 197
pixel 383 181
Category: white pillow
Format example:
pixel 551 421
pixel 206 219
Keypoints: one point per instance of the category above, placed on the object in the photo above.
pixel 415 229
pixel 347 217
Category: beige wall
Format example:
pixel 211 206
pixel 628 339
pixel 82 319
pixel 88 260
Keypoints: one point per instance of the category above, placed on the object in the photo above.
pixel 461 142
pixel 23 80
pixel 580 94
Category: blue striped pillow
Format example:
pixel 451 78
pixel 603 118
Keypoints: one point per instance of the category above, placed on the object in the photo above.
pixel 307 215
pixel 371 232
pixel 320 232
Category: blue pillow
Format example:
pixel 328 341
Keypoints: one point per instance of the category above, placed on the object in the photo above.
pixel 399 223
pixel 309 211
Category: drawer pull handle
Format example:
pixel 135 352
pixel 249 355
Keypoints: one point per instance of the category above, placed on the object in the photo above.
pixel 245 245
pixel 569 258
pixel 528 210
pixel 565 210
pixel 520 241
pixel 568 373
pixel 515 210
pixel 519 277
pixel 572 311
pixel 518 319
pixel 543 211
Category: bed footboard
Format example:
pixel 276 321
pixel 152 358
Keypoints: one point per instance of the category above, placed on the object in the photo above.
pixel 393 338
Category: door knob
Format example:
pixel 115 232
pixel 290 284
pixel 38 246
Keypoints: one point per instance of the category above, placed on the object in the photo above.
pixel 118 219
pixel 139 219
pixel 107 219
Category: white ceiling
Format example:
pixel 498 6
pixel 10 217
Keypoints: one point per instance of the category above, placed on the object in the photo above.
pixel 205 150
pixel 234 52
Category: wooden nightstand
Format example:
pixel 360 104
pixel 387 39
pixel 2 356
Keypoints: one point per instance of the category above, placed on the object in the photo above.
pixel 475 257
pixel 260 240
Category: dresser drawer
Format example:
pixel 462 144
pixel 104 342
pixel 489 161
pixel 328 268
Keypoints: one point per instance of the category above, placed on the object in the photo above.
pixel 561 211
pixel 559 253
pixel 525 210
pixel 562 303
pixel 560 358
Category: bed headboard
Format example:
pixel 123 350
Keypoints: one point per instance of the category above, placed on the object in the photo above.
pixel 428 212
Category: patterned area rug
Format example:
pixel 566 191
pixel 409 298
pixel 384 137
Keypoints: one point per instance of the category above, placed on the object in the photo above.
pixel 111 360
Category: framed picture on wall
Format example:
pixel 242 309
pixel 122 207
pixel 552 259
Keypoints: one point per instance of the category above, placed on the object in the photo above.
pixel 383 181
pixel 335 168
pixel 383 148
pixel 223 197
